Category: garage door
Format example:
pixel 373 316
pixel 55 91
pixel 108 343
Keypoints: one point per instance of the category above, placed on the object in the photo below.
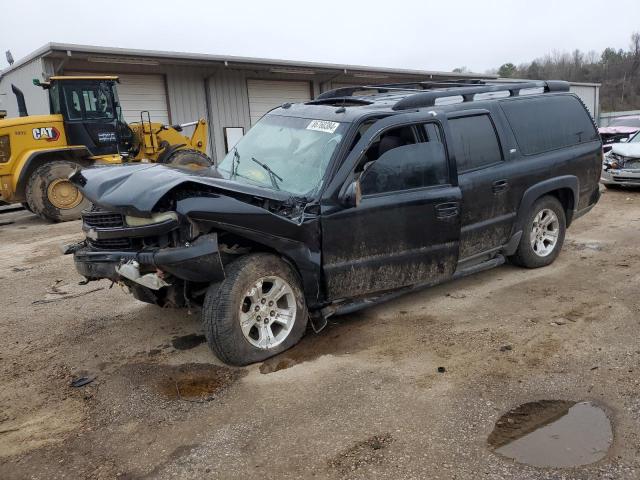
pixel 138 93
pixel 265 95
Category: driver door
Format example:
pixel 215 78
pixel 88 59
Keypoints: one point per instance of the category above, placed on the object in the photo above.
pixel 406 228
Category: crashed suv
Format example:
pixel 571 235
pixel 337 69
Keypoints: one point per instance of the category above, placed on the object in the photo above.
pixel 353 198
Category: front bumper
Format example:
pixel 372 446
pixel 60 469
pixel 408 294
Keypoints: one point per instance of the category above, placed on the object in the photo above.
pixel 625 177
pixel 196 262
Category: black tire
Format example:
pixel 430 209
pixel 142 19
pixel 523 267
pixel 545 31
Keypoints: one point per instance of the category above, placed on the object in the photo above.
pixel 612 186
pixel 526 256
pixel 42 183
pixel 223 301
pixel 189 159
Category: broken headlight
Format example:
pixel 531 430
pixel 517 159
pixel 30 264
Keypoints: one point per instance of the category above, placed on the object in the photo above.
pixel 613 160
pixel 5 149
pixel 155 218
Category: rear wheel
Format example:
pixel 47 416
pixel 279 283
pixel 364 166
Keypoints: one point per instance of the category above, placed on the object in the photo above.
pixel 256 312
pixel 190 159
pixel 52 196
pixel 543 234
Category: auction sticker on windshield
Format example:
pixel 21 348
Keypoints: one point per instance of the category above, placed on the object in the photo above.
pixel 323 126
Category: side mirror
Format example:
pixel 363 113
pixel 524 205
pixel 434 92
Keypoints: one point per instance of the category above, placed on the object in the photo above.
pixel 352 195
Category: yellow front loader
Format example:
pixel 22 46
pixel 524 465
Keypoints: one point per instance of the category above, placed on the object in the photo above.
pixel 85 128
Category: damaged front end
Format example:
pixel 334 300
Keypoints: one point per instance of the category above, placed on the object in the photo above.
pixel 167 235
pixel 158 256
pixel 621 165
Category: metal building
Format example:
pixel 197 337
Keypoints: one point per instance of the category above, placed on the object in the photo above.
pixel 232 93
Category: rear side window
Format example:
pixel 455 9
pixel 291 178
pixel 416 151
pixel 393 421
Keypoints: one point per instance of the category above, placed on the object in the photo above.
pixel 474 142
pixel 547 123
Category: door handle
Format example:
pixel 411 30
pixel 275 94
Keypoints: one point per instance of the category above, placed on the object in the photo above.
pixel 500 186
pixel 447 210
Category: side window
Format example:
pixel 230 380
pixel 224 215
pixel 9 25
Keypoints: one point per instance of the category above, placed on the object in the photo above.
pixel 404 158
pixel 543 124
pixel 474 142
pixel 75 110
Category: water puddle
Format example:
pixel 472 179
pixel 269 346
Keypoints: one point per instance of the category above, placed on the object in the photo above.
pixel 553 433
pixel 194 381
pixel 187 342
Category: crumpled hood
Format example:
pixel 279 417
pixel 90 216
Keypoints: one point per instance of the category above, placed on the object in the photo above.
pixel 630 150
pixel 136 189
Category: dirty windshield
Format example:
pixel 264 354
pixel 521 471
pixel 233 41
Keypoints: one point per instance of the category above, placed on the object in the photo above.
pixel 284 153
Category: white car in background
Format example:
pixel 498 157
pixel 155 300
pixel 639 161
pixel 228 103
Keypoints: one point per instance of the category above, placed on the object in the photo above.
pixel 622 164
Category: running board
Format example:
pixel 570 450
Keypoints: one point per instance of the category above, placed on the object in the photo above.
pixel 480 267
pixel 353 306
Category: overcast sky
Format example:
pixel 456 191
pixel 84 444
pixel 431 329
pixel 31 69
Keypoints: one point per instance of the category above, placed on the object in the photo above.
pixel 432 35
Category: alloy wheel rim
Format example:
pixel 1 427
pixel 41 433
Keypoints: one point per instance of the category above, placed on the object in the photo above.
pixel 544 232
pixel 268 312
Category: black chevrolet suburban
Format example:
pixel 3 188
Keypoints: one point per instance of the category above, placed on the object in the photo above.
pixel 350 199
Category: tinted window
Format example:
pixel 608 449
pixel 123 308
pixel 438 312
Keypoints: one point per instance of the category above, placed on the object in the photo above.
pixel 408 165
pixel 543 124
pixel 474 142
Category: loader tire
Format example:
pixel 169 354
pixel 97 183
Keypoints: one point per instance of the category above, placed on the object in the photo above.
pixel 190 159
pixel 52 196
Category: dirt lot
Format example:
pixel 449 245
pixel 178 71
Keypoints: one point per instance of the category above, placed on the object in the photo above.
pixel 363 399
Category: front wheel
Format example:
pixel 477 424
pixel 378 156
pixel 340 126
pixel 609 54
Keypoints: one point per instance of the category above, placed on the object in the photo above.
pixel 543 234
pixel 51 195
pixel 256 312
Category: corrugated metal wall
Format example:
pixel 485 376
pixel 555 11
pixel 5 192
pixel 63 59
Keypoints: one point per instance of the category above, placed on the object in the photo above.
pixel 228 105
pixel 22 77
pixel 188 98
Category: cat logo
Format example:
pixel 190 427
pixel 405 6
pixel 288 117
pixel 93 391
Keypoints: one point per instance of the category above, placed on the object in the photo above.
pixel 50 134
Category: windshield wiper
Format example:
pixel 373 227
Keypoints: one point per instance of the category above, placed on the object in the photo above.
pixel 273 175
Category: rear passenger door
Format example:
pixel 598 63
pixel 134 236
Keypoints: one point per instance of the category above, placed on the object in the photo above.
pixel 487 211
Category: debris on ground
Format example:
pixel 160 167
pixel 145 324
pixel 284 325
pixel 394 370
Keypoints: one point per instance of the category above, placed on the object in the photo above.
pixel 81 381
pixel 362 454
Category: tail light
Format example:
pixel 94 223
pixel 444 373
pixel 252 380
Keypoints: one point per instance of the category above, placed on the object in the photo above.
pixel 5 148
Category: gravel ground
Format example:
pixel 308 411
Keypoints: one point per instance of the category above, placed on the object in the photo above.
pixel 363 399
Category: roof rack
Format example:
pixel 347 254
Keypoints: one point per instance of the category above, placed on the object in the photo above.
pixel 428 99
pixel 425 94
pixel 393 87
pixel 341 101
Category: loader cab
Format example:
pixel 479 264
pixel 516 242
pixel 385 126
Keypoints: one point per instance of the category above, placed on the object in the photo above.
pixel 90 110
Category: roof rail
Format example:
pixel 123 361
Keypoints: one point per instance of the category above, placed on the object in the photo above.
pixel 428 99
pixel 346 101
pixel 391 87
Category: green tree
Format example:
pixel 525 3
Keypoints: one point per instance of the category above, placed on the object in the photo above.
pixel 507 70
